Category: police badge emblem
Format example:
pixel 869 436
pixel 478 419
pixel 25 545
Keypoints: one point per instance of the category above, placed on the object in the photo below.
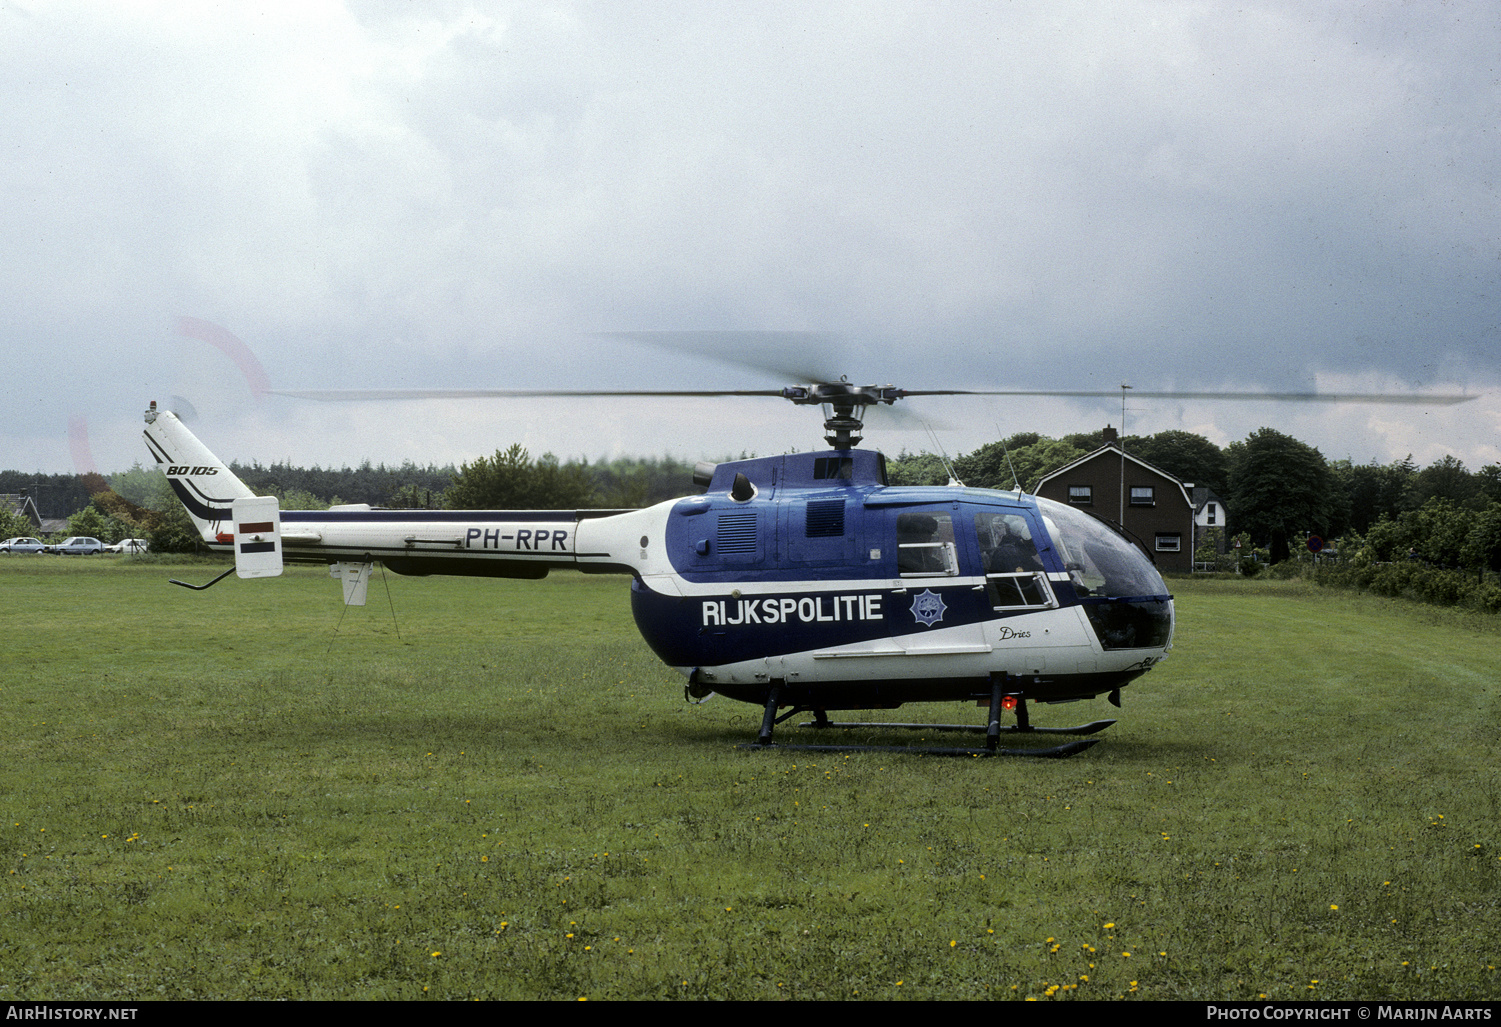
pixel 928 607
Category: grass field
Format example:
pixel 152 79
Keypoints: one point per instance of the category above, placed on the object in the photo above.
pixel 235 794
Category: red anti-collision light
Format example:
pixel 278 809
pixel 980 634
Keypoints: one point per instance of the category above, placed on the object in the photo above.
pixel 1008 702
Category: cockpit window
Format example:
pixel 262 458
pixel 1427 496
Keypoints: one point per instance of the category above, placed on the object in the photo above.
pixel 1006 544
pixel 925 545
pixel 1099 561
pixel 1014 578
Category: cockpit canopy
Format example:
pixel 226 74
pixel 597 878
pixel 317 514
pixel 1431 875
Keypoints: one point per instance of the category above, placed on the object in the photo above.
pixel 1099 561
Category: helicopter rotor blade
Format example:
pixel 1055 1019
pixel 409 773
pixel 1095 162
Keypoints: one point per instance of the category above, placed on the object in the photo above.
pixel 360 395
pixel 1408 399
pixel 903 418
pixel 356 395
pixel 804 357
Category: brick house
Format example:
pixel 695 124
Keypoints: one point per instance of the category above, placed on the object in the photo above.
pixel 1154 507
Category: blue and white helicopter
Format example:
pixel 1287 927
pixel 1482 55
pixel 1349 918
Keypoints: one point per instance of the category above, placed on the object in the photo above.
pixel 801 583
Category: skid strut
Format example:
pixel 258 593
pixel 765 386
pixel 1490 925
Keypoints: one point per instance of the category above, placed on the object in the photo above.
pixel 992 729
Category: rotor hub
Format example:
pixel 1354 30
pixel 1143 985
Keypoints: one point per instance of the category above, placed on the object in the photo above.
pixel 843 407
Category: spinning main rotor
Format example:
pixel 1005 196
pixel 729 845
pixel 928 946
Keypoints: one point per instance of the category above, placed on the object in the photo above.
pixel 844 403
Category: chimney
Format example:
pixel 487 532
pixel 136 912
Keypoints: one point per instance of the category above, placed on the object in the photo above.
pixel 1109 435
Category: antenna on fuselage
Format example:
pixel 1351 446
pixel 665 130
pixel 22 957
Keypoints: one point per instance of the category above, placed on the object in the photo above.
pixel 942 456
pixel 1016 485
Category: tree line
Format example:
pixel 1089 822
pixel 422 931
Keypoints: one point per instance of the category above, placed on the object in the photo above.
pixel 1277 490
pixel 139 503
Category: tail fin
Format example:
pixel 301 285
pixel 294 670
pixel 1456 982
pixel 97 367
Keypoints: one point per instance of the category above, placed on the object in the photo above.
pixel 201 481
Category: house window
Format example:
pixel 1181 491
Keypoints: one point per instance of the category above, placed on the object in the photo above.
pixel 1210 510
pixel 1081 495
pixel 1169 543
pixel 1143 495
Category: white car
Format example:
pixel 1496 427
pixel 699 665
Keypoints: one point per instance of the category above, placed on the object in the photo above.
pixel 128 545
pixel 78 545
pixel 22 545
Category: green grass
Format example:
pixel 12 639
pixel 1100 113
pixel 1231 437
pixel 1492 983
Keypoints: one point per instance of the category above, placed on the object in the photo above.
pixel 238 794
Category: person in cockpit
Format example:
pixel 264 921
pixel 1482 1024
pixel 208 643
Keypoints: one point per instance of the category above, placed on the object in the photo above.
pixel 1010 549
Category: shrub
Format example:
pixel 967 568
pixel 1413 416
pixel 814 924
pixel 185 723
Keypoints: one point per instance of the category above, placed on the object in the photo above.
pixel 1442 588
pixel 1486 598
pixel 1393 579
pixel 1290 569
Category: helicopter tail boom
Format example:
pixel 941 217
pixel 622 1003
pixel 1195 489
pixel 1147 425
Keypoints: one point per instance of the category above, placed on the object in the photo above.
pixel 484 543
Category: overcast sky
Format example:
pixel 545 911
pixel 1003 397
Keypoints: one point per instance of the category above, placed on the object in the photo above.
pixel 966 195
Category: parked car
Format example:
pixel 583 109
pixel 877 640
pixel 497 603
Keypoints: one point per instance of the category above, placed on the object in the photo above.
pixel 128 545
pixel 78 545
pixel 22 545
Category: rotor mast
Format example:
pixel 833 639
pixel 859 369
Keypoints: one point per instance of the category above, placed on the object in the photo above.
pixel 843 407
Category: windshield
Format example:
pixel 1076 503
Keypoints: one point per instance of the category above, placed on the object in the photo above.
pixel 1099 561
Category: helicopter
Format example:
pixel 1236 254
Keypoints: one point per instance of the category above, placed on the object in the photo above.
pixel 802 583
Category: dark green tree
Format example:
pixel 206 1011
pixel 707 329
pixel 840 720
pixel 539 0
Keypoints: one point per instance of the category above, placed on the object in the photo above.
pixel 1186 456
pixel 916 469
pixel 512 480
pixel 641 481
pixel 1364 493
pixel 1023 458
pixel 55 495
pixel 95 523
pixel 1440 533
pixel 1488 478
pixel 1446 478
pixel 173 531
pixel 1442 528
pixel 1279 487
pixel 14 524
pixel 1483 544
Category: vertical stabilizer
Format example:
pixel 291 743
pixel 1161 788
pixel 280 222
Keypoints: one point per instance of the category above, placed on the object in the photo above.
pixel 257 531
pixel 200 480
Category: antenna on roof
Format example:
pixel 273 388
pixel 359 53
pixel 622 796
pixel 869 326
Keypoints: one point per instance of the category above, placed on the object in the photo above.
pixel 1124 387
pixel 1016 485
pixel 942 456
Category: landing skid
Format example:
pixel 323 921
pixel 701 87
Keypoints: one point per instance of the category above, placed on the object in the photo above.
pixel 975 729
pixel 1056 752
pixel 992 731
